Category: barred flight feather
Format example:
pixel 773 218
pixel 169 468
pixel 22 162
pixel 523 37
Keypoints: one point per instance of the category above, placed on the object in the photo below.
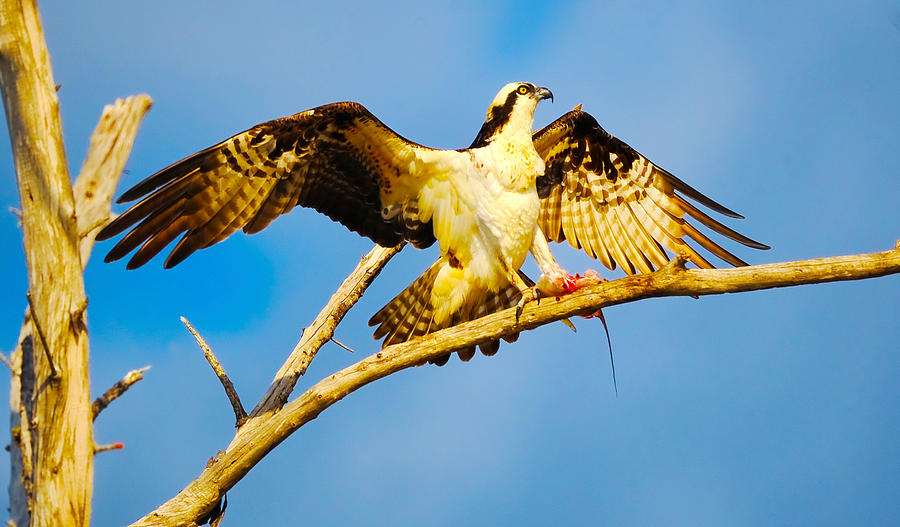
pixel 322 158
pixel 410 314
pixel 615 204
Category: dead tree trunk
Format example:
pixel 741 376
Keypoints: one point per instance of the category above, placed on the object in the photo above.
pixel 52 447
pixel 54 432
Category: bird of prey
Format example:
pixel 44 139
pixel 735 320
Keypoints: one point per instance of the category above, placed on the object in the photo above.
pixel 487 205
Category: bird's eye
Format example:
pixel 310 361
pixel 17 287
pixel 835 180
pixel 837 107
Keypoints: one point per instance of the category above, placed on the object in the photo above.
pixel 523 89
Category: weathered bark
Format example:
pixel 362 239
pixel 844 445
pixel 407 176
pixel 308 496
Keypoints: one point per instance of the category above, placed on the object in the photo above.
pixel 21 406
pixel 109 149
pixel 52 448
pixel 264 431
pixel 62 445
pixel 110 146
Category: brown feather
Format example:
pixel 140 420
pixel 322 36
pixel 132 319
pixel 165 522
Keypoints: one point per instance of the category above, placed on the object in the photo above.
pixel 615 204
pixel 334 158
pixel 410 314
pixel 466 354
pixel 698 215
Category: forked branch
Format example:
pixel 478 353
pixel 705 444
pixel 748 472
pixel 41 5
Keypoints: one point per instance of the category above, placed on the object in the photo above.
pixel 261 433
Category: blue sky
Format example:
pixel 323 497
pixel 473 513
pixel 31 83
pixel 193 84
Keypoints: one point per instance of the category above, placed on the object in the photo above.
pixel 776 407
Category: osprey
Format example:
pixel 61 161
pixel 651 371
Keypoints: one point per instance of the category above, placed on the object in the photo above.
pixel 488 205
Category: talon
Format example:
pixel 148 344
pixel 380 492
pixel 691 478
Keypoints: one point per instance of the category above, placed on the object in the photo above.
pixel 520 305
pixel 527 295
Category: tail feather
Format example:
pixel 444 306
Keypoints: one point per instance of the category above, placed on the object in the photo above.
pixel 465 354
pixel 411 314
pixel 489 348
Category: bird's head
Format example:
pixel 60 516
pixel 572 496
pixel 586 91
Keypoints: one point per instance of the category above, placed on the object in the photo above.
pixel 512 111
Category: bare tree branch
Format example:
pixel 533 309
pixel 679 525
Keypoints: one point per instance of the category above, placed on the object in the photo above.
pixel 322 328
pixel 262 433
pixel 314 336
pixel 110 147
pixel 106 448
pixel 6 362
pixel 116 390
pixel 240 415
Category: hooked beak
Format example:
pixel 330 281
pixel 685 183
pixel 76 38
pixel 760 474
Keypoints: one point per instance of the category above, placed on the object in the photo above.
pixel 543 93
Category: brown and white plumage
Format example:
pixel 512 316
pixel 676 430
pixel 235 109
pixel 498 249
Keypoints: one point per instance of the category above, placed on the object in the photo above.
pixel 338 159
pixel 487 205
pixel 411 313
pixel 607 199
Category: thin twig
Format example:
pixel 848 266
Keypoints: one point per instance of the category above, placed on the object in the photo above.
pixel 240 415
pixel 116 390
pixel 261 434
pixel 40 330
pixel 341 344
pixel 6 362
pixel 106 448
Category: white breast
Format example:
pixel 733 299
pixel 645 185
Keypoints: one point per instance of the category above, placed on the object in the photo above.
pixel 484 206
pixel 508 221
pixel 508 205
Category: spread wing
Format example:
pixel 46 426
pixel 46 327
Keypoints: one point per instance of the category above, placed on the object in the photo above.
pixel 606 198
pixel 338 159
